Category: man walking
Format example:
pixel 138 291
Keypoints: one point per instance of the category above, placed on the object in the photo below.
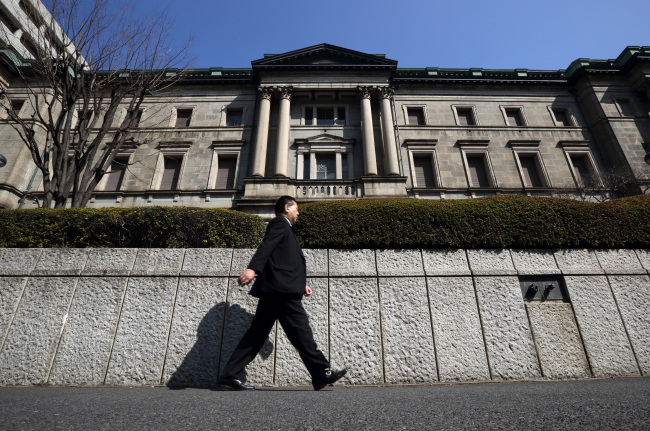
pixel 281 283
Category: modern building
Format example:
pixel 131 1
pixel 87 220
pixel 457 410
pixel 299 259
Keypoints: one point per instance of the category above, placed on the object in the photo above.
pixel 326 122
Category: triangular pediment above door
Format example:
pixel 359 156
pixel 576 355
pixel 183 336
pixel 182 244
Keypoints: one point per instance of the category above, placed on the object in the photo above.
pixel 324 139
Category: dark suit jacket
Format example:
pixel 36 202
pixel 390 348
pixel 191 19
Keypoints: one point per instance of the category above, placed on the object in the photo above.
pixel 279 261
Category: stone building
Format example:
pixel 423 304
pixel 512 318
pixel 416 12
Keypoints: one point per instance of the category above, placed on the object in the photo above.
pixel 325 122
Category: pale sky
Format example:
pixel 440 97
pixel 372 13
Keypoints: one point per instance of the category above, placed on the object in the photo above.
pixel 490 34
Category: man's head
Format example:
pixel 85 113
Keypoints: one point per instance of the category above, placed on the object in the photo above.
pixel 288 207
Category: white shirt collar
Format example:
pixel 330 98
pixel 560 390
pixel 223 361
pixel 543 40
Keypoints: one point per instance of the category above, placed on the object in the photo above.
pixel 287 220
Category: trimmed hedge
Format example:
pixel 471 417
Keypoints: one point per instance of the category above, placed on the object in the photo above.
pixel 513 221
pixel 164 227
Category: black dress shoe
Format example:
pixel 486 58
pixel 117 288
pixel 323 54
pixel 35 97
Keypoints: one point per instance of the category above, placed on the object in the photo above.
pixel 235 385
pixel 328 378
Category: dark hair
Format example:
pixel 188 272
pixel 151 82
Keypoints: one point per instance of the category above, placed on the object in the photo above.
pixel 281 202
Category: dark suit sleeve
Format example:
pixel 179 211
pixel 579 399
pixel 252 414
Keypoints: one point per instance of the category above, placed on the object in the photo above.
pixel 275 233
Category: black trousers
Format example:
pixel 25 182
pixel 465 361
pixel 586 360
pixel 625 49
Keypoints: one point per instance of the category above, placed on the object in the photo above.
pixel 288 310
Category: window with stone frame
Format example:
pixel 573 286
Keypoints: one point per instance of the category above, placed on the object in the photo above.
pixel 477 170
pixel 562 117
pixel 514 117
pixel 115 176
pixel 135 121
pixel 415 116
pixel 16 105
pixel 465 116
pixel 583 169
pixel 183 118
pixel 171 172
pixel 625 107
pixel 531 172
pixel 226 168
pixel 423 170
pixel 325 115
pixel 234 117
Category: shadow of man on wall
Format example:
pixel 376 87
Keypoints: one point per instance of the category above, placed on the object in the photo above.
pixel 216 339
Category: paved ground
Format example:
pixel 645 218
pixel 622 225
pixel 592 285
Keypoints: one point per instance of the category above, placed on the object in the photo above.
pixel 615 404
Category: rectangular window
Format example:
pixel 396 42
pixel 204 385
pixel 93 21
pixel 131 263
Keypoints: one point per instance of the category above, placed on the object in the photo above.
pixel 17 106
pixel 115 175
pixel 325 116
pixel 562 117
pixel 226 173
pixel 137 116
pixel 309 116
pixel 7 21
pixel 344 166
pixel 415 116
pixel 465 117
pixel 234 116
pixel 625 107
pixel 529 171
pixel 423 167
pixel 581 169
pixel 183 117
pixel 171 172
pixel 325 167
pixel 477 172
pixel 514 117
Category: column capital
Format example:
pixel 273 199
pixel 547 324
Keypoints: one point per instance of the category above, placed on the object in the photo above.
pixel 286 92
pixel 386 92
pixel 365 92
pixel 265 92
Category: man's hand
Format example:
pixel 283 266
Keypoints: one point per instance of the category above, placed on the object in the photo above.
pixel 307 291
pixel 245 277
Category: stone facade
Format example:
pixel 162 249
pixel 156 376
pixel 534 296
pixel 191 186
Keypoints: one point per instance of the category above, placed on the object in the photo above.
pixel 401 317
pixel 326 122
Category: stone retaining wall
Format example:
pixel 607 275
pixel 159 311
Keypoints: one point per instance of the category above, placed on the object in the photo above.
pixel 173 316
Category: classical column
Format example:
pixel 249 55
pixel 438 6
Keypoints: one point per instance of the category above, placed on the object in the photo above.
pixel 262 136
pixel 391 164
pixel 284 123
pixel 367 132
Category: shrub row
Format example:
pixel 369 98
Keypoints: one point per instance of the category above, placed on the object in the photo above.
pixel 492 222
pixel 165 227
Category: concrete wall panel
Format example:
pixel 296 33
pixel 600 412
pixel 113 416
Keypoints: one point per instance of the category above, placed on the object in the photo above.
pixel 317 263
pixel 491 262
pixel 158 262
pixel 445 262
pixel 603 334
pixel 18 261
pixel 11 289
pixel 632 295
pixel 142 332
pixel 619 262
pixel 356 263
pixel 399 262
pixel 355 339
pixel 508 339
pixel 557 340
pixel 194 347
pixel 534 262
pixel 239 314
pixel 32 340
pixel 61 261
pixel 289 368
pixel 85 348
pixel 207 262
pixel 409 354
pixel 457 330
pixel 110 261
pixel 578 261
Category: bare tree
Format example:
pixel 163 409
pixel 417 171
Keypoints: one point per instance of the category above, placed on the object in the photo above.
pixel 92 62
pixel 611 183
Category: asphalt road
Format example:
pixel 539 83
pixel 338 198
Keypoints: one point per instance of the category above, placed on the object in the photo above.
pixel 614 404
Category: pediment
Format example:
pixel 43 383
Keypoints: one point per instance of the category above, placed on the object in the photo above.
pixel 324 56
pixel 325 139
